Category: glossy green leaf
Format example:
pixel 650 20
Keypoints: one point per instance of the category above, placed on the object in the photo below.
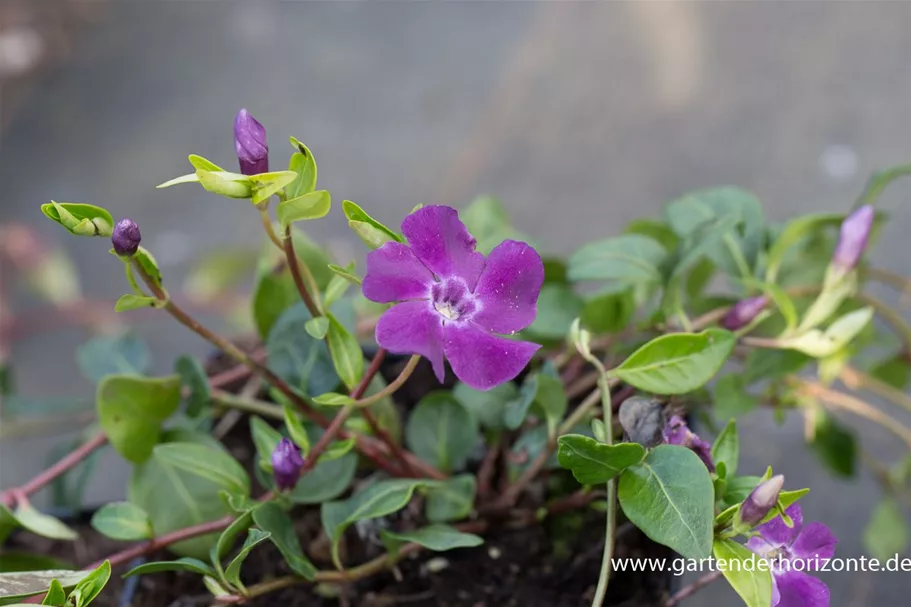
pixel 438 538
pixel 185 564
pixel 346 353
pixel 835 445
pixel 89 587
pixel 371 232
pixel 441 432
pixel 254 538
pixel 317 327
pixel 823 343
pixel 21 584
pixel 732 398
pixel 80 219
pixel 149 265
pixel 272 519
pixel 204 462
pixel 266 185
pixel 753 584
pixel 627 259
pixel 194 379
pixel 303 164
pixel 297 357
pixel 887 532
pixel 487 407
pixel 593 462
pixel 42 524
pixel 225 543
pixel 296 430
pixel 131 410
pixel 678 362
pixel 56 595
pixel 333 399
pixel 669 496
pixel 879 181
pixel 726 449
pixel 125 354
pixel 128 302
pixel 796 230
pixel 347 273
pixel 609 312
pixel 122 521
pixel 452 499
pixel 312 205
pixel 895 371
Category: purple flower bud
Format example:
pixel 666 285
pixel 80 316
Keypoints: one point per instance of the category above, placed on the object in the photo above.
pixel 126 237
pixel 676 432
pixel 761 500
pixel 286 464
pixel 743 312
pixel 855 230
pixel 250 144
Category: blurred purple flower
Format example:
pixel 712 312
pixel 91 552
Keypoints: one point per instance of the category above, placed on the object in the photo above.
pixel 743 312
pixel 126 237
pixel 812 545
pixel 761 500
pixel 855 230
pixel 676 432
pixel 455 301
pixel 250 144
pixel 286 464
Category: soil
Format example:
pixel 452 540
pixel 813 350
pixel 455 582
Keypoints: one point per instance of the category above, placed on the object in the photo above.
pixel 554 564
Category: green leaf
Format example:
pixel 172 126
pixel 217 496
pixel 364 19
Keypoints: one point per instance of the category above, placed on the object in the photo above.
pixel 125 354
pixel 122 521
pixel 225 543
pixel 657 230
pixel 224 183
pixel 271 518
pixel 56 595
pixel 772 364
pixel 820 344
pixel 732 398
pixel 188 178
pixel 894 371
pixel 313 205
pixel 337 449
pixel 265 438
pixel 147 262
pixel 131 410
pixel 887 532
pixel 298 358
pixel 371 232
pixel 678 362
pixel 80 219
pixel 296 430
pixel 203 164
pixel 451 499
pixel 594 463
pixel 333 399
pixel 753 584
pixel 194 379
pixel 486 407
pixel 90 586
pixel 346 353
pixel 835 445
pixel 16 560
pixel 42 524
pixel 317 327
pixel 628 259
pixel 347 273
pixel 254 538
pixel 21 584
pixel 879 181
pixel 303 164
pixel 558 307
pixel 669 496
pixel 185 564
pixel 441 432
pixel 487 220
pixel 266 185
pixel 726 449
pixel 336 289
pixel 438 538
pixel 205 462
pixel 128 302
pixel 609 312
pixel 796 230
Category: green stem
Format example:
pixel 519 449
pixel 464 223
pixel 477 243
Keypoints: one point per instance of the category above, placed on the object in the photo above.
pixel 391 388
pixel 610 509
pixel 247 405
pixel 267 226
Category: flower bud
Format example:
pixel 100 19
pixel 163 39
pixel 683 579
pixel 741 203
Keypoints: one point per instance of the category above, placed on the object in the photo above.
pixel 676 432
pixel 286 464
pixel 126 237
pixel 744 312
pixel 855 230
pixel 250 144
pixel 761 500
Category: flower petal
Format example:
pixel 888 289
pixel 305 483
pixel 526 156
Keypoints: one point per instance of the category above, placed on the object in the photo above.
pixel 508 288
pixel 394 273
pixel 760 546
pixel 413 328
pixel 443 243
pixel 776 532
pixel 483 360
pixel 815 541
pixel 797 589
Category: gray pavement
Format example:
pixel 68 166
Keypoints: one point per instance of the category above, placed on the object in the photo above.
pixel 580 116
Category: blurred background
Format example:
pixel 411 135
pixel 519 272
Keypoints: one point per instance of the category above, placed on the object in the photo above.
pixel 580 116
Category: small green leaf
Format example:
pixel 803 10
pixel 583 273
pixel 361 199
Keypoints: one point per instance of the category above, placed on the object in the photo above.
pixel 184 564
pixel 629 259
pixel 347 273
pixel 452 499
pixel 203 164
pixel 303 164
pixel 56 595
pixel 188 178
pixel 732 398
pixel 371 232
pixel 337 287
pixel 772 364
pixel 122 521
pixel 272 519
pixel 226 541
pixel 878 182
pixel 317 327
pixel 254 538
pixel 609 312
pixel 835 445
pixel 266 185
pixel 265 438
pixel 669 496
pixel 313 205
pixel 346 353
pixel 677 363
pixel 108 355
pixel 224 183
pixel 594 463
pixel 487 407
pixel 298 358
pixel 441 432
pixel 131 410
pixel 887 532
pixel 337 449
pixel 785 499
pixel 753 584
pixel 558 307
pixel 438 538
pixel 128 302
pixel 193 378
pixel 296 430
pixel 820 344
pixel 80 219
pixel 90 586
pixel 726 449
pixel 42 524
pixel 204 462
pixel 333 399
pixel 894 371
pixel 147 262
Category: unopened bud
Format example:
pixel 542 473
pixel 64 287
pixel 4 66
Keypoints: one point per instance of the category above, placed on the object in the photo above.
pixel 126 237
pixel 852 242
pixel 761 500
pixel 250 144
pixel 287 464
pixel 744 312
pixel 676 432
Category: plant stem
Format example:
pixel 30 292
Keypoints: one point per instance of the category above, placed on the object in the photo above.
pixel 857 380
pixel 267 226
pixel 893 279
pixel 611 508
pixel 397 383
pixel 691 589
pixel 300 272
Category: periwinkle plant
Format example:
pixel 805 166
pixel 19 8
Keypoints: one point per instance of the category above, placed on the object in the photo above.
pixel 709 310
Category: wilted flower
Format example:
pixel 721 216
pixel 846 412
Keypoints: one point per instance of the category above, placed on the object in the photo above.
pixel 286 464
pixel 676 432
pixel 855 230
pixel 454 301
pixel 126 237
pixel 744 312
pixel 812 545
pixel 761 500
pixel 250 144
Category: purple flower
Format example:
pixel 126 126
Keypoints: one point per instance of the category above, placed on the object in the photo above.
pixel 812 544
pixel 454 301
pixel 855 230
pixel 250 144
pixel 126 237
pixel 286 464
pixel 676 432
pixel 744 312
pixel 761 500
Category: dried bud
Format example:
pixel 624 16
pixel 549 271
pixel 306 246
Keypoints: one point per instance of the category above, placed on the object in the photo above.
pixel 250 144
pixel 642 419
pixel 761 500
pixel 126 237
pixel 855 230
pixel 744 312
pixel 676 432
pixel 286 464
